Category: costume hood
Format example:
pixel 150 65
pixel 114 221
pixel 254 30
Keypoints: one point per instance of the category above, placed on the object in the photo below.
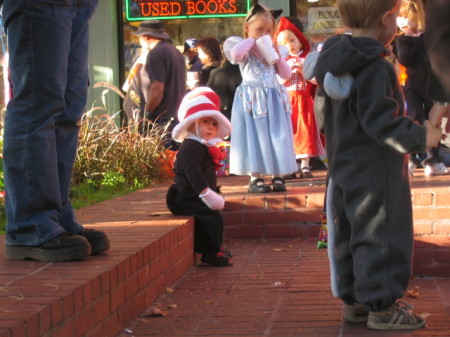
pixel 286 23
pixel 340 58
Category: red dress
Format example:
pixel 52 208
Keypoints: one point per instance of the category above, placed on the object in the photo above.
pixel 307 139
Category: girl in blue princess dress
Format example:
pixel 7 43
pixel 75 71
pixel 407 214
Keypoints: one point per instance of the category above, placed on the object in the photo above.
pixel 262 139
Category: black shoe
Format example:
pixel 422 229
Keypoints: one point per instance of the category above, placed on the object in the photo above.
pixel 289 176
pixel 219 259
pixel 65 247
pixel 278 185
pixel 258 186
pixel 226 252
pixel 98 240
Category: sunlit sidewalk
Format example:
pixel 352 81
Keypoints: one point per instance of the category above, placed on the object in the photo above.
pixel 278 289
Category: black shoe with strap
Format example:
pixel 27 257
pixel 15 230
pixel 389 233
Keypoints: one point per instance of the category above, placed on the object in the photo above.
pixel 278 185
pixel 65 247
pixel 305 173
pixel 258 186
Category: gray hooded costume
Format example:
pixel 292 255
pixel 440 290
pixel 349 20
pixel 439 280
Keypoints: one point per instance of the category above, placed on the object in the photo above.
pixel 367 136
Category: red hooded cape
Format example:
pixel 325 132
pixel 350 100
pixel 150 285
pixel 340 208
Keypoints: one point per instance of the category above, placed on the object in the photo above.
pixel 286 24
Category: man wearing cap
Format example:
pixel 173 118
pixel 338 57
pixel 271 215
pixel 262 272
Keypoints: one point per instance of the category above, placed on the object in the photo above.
pixel 165 66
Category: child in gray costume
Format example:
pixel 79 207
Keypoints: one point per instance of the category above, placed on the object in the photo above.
pixel 367 137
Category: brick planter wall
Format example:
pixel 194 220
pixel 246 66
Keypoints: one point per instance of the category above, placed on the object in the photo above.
pixel 298 215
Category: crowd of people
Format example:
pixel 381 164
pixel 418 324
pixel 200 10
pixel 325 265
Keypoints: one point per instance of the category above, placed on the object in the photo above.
pixel 285 105
pixel 278 104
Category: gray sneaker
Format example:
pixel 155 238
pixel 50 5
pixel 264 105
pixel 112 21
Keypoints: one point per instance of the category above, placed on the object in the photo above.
pixel 355 313
pixel 398 316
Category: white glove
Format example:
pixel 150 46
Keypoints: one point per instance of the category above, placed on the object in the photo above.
pixel 212 199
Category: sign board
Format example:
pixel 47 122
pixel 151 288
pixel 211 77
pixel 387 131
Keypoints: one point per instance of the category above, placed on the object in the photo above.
pixel 324 20
pixel 138 10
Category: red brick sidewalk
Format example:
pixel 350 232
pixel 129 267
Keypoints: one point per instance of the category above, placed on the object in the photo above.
pixel 275 288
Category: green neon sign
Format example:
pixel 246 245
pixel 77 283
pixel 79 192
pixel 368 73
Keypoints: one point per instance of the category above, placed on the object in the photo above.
pixel 139 10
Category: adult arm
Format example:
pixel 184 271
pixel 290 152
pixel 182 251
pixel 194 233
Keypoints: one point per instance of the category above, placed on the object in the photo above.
pixel 154 96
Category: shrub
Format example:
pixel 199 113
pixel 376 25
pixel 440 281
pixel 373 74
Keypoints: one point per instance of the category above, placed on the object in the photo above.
pixel 108 151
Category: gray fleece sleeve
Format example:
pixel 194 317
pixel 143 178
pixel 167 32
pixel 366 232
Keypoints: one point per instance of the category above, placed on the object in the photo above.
pixel 380 109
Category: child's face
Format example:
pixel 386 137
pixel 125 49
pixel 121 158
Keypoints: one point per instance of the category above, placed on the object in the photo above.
pixel 261 25
pixel 389 27
pixel 207 128
pixel 287 38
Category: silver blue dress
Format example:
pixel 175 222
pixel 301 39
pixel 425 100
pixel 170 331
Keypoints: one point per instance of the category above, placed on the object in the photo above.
pixel 262 137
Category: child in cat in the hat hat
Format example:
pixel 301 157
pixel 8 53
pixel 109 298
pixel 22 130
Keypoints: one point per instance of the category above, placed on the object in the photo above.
pixel 201 126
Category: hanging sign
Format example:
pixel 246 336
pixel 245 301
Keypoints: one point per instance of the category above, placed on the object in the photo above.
pixel 138 10
pixel 324 20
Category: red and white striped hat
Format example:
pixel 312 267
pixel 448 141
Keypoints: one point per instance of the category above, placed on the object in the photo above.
pixel 200 102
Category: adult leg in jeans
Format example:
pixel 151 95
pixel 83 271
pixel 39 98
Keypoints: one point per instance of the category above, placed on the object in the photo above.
pixel 38 152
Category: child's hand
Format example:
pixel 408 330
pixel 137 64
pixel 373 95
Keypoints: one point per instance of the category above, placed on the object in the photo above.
pixel 434 134
pixel 212 199
pixel 275 46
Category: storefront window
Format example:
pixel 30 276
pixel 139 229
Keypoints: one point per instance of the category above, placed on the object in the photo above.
pixel 212 18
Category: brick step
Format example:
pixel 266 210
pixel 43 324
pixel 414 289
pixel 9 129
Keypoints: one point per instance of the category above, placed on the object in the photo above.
pixel 298 212
pixel 100 295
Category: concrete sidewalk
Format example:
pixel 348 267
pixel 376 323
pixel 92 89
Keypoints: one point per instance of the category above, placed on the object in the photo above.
pixel 276 288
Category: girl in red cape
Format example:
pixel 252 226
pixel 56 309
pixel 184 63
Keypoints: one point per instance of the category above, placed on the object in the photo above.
pixel 307 140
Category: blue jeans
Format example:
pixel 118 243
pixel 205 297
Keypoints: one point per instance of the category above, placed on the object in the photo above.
pixel 48 46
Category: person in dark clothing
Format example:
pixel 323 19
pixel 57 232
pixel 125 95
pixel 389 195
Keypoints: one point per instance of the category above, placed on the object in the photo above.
pixel 166 70
pixel 224 81
pixel 201 126
pixel 368 136
pixel 411 53
pixel 437 43
pixel 210 54
pixel 190 54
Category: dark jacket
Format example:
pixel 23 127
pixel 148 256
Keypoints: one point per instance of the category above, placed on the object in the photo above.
pixel 411 53
pixel 194 169
pixel 369 127
pixel 437 43
pixel 224 81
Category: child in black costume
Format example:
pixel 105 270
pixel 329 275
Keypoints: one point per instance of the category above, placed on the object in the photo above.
pixel 368 136
pixel 201 126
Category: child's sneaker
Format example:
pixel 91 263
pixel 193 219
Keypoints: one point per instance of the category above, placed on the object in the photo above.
pixel 398 316
pixel 355 313
pixel 218 259
pixel 435 169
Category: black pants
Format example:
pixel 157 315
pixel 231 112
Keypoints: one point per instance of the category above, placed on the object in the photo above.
pixel 418 106
pixel 208 232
